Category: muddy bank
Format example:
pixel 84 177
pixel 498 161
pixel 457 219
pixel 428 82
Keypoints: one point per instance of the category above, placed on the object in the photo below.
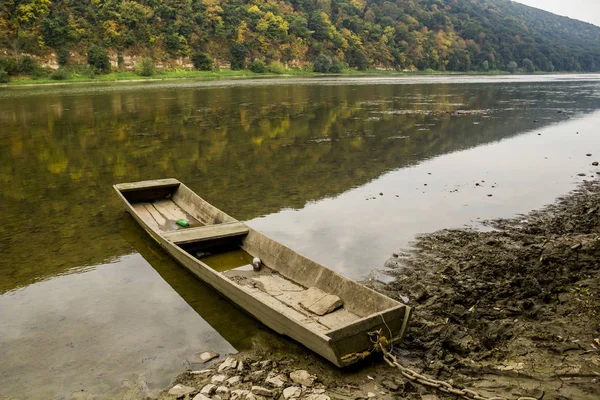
pixel 512 311
pixel 515 309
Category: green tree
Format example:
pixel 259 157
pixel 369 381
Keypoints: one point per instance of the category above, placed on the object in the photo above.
pixel 528 65
pixel 512 67
pixel 322 63
pixel 98 58
pixel 202 61
pixel 237 57
pixel 257 66
pixel 145 67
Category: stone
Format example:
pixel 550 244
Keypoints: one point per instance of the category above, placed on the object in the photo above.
pixel 276 381
pixel 265 364
pixel 261 391
pixel 303 378
pixel 240 366
pixel 200 396
pixel 222 391
pixel 292 392
pixel 319 302
pixel 204 357
pixel 236 380
pixel 318 391
pixel 314 396
pixel 389 385
pixel 202 372
pixel 242 395
pixel 429 397
pixel 180 390
pixel 217 397
pixel 371 395
pixel 217 379
pixel 595 163
pixel 208 389
pixel 229 363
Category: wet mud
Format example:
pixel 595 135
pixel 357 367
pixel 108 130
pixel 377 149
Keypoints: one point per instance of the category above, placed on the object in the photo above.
pixel 512 310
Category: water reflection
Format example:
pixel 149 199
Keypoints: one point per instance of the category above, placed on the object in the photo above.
pixel 251 150
pixel 306 156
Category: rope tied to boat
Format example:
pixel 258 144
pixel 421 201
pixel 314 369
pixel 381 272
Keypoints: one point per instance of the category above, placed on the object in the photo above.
pixel 381 344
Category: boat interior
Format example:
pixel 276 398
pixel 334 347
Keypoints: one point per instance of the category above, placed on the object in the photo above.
pixel 307 292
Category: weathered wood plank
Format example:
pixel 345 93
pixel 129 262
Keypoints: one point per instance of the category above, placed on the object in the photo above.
pixel 160 220
pixel 209 232
pixel 170 210
pixel 144 215
pixel 126 187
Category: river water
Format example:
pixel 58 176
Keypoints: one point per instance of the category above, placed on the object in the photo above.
pixel 343 170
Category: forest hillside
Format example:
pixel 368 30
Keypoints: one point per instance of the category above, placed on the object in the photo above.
pixel 452 35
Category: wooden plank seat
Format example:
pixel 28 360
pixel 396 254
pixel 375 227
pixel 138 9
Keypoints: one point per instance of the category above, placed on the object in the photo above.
pixel 208 232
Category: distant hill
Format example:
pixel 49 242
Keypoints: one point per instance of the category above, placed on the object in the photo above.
pixel 454 35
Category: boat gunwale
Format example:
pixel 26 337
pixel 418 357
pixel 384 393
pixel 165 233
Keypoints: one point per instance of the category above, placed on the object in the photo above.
pixel 329 338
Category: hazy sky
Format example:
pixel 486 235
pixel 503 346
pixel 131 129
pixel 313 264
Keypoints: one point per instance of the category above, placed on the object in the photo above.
pixel 583 10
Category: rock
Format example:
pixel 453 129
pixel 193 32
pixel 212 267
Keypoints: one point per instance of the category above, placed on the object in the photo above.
pixel 217 379
pixel 319 302
pixel 180 390
pixel 389 385
pixel 317 397
pixel 429 397
pixel 239 394
pixel 236 380
pixel 489 195
pixel 208 389
pixel 229 363
pixel 276 381
pixel 265 364
pixel 258 375
pixel 589 154
pixel 240 366
pixel 200 396
pixel 581 174
pixel 292 392
pixel 303 377
pixel 318 391
pixel 222 391
pixel 204 357
pixel 202 372
pixel 595 163
pixel 261 391
pixel 217 397
pixel 371 395
pixel 381 193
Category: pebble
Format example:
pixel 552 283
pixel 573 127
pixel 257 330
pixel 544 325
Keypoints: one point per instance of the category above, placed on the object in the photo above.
pixel 207 356
pixel 581 174
pixel 222 391
pixel 229 363
pixel 317 397
pixel 234 381
pixel 389 385
pixel 292 392
pixel 303 377
pixel 489 195
pixel 180 390
pixel 218 379
pixel 595 163
pixel 202 372
pixel 371 395
pixel 265 364
pixel 589 154
pixel 276 381
pixel 240 366
pixel 208 389
pixel 261 391
pixel 200 396
pixel 241 394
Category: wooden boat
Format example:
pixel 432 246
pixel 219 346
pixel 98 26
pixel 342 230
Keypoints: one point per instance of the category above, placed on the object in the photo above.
pixel 291 294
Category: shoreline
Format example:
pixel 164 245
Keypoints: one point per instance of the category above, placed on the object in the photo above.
pixel 532 340
pixel 129 77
